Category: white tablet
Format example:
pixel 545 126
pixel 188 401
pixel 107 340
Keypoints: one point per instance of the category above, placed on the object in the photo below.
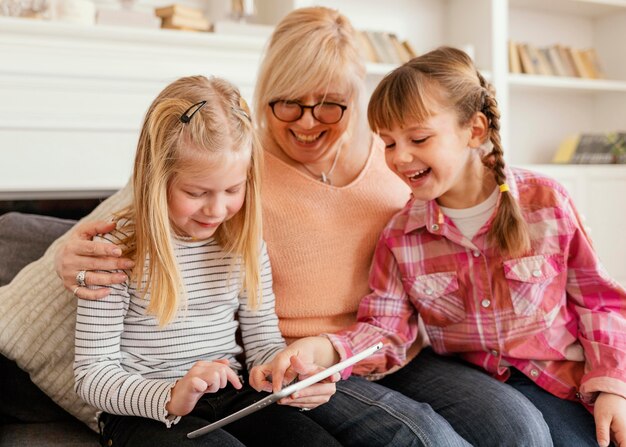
pixel 297 386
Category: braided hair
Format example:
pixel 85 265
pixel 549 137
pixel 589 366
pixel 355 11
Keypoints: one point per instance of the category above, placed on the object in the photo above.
pixel 449 75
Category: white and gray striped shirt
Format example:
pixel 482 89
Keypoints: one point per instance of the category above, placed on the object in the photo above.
pixel 125 364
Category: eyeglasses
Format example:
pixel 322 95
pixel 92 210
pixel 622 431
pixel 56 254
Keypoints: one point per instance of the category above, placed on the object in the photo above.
pixel 324 112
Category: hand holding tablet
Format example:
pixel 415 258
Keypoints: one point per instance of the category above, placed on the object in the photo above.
pixel 297 386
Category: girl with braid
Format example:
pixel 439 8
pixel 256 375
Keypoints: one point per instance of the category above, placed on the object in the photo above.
pixel 495 262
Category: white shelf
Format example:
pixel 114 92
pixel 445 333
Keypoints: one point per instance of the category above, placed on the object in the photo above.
pixel 582 8
pixel 78 34
pixel 567 83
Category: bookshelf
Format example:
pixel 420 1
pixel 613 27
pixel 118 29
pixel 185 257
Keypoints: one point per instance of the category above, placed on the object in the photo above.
pixel 70 93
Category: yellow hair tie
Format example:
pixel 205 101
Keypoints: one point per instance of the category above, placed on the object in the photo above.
pixel 504 187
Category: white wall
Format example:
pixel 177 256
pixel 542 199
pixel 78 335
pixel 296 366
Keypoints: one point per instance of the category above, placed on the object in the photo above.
pixel 72 97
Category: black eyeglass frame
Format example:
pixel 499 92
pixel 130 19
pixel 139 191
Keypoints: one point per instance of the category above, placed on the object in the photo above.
pixel 186 117
pixel 303 107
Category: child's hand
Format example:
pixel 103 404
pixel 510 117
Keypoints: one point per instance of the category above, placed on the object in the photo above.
pixel 310 350
pixel 203 377
pixel 314 395
pixel 610 417
pixel 300 359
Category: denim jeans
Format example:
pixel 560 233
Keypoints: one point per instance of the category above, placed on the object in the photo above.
pixel 481 409
pixel 275 425
pixel 366 414
pixel 570 423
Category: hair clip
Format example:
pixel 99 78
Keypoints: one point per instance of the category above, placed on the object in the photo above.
pixel 243 105
pixel 186 117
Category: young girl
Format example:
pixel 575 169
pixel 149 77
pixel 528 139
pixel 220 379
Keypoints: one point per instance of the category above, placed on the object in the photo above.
pixel 494 260
pixel 158 354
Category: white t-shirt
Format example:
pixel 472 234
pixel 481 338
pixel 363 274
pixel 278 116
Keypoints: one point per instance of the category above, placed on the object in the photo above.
pixel 470 220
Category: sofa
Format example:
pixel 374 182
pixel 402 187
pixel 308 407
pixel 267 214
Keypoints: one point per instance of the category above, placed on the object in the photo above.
pixel 27 416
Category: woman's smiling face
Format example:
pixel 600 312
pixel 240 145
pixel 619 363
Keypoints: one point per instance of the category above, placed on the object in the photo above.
pixel 308 140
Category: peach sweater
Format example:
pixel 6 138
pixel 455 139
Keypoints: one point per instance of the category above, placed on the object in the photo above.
pixel 321 240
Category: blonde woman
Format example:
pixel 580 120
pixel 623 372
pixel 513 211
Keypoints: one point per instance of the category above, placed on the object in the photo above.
pixel 158 355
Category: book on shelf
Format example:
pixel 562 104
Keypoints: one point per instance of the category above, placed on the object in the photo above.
pixel 591 61
pixel 581 67
pixel 409 48
pixel 567 60
pixel 384 48
pixel 182 17
pixel 540 64
pixel 401 50
pixel 179 10
pixel 515 65
pixel 554 60
pixel 526 60
pixel 554 57
pixel 367 49
pixel 186 23
pixel 592 148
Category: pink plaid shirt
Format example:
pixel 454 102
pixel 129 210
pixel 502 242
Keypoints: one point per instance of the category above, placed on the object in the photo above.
pixel 554 314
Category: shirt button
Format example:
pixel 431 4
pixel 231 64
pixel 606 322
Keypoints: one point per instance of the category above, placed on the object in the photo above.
pixel 434 227
pixel 534 373
pixel 485 303
pixel 579 396
pixel 494 352
pixel 429 291
pixel 537 273
pixel 476 253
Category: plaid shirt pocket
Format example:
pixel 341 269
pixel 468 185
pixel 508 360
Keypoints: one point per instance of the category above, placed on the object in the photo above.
pixel 436 297
pixel 530 280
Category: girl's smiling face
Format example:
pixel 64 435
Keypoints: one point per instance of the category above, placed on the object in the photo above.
pixel 434 157
pixel 200 201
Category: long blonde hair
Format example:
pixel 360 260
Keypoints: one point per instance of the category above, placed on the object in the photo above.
pixel 222 125
pixel 311 48
pixel 449 75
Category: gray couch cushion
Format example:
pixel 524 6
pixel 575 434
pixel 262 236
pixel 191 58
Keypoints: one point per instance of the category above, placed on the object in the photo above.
pixel 24 238
pixel 66 433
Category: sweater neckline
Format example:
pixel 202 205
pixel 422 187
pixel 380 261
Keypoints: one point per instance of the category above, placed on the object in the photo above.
pixel 375 141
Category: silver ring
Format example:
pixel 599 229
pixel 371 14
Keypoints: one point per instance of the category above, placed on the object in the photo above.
pixel 305 409
pixel 80 278
pixel 76 290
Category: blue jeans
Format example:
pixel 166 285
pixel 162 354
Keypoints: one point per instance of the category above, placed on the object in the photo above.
pixel 366 414
pixel 570 423
pixel 275 425
pixel 481 409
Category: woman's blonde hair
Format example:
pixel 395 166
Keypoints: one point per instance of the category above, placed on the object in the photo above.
pixel 168 147
pixel 447 75
pixel 310 49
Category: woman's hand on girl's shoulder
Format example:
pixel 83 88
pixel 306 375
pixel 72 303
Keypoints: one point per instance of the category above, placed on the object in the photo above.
pixel 610 417
pixel 79 252
pixel 203 377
